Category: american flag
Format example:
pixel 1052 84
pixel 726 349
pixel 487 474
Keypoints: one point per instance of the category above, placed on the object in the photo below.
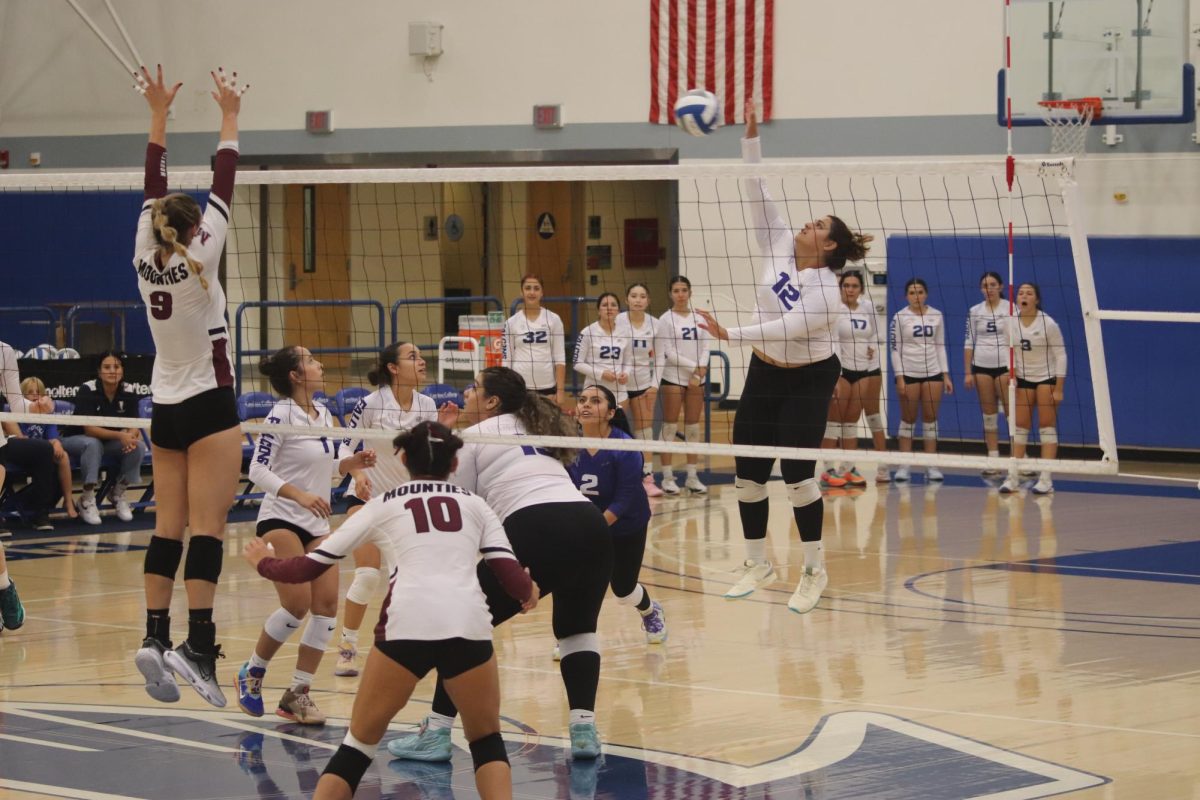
pixel 724 46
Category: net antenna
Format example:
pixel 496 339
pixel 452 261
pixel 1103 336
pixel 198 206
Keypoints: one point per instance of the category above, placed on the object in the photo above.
pixel 1069 122
pixel 130 69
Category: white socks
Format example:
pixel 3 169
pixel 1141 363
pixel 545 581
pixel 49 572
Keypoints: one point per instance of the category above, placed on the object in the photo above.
pixel 578 715
pixel 814 555
pixel 756 550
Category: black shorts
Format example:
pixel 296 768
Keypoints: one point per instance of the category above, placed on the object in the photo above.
pixel 672 383
pixel 931 379
pixel 177 426
pixel 273 524
pixel 854 375
pixel 995 372
pixel 1024 384
pixel 353 500
pixel 551 392
pixel 450 657
pixel 636 393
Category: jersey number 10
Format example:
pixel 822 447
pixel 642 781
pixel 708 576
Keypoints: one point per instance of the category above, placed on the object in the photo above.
pixel 442 513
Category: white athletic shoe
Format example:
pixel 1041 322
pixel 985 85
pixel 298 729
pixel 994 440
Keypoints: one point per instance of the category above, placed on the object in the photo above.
pixel 1010 485
pixel 693 485
pixel 669 486
pixel 88 511
pixel 160 683
pixel 812 583
pixel 934 474
pixel 901 475
pixel 651 489
pixel 751 576
pixel 883 474
pixel 1043 486
pixel 124 512
pixel 198 669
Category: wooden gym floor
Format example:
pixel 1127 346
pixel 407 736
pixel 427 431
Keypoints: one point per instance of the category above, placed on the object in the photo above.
pixel 968 645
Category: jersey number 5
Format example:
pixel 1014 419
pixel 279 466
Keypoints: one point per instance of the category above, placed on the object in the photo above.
pixel 442 513
pixel 160 305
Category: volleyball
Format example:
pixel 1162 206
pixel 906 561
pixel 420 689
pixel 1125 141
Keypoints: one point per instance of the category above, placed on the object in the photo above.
pixel 698 112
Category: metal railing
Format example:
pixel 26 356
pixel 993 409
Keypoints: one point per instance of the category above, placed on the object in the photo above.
pixel 116 310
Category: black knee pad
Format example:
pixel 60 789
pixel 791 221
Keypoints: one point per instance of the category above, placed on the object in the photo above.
pixel 488 749
pixel 204 557
pixel 349 764
pixel 163 557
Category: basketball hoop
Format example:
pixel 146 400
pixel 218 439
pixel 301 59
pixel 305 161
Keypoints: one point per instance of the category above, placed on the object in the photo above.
pixel 1069 121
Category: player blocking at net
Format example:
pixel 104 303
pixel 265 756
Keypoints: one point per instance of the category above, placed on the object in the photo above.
pixel 791 376
pixel 194 431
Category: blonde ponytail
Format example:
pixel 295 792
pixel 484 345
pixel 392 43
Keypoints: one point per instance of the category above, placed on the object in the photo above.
pixel 184 209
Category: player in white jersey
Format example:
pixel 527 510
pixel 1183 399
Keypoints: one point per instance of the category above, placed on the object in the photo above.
pixel 396 405
pixel 858 345
pixel 602 351
pixel 645 372
pixel 194 434
pixel 1041 373
pixel 535 345
pixel 986 357
pixel 436 616
pixel 684 378
pixel 918 341
pixel 556 532
pixel 295 473
pixel 791 376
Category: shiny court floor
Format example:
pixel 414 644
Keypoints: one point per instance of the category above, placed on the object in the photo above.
pixel 969 645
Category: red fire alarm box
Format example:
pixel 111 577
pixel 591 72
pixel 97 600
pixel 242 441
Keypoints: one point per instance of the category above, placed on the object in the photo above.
pixel 641 243
pixel 3 159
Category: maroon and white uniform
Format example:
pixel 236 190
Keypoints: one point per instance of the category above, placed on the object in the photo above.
pixel 437 531
pixel 187 321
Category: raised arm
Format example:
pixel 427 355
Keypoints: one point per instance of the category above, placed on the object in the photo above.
pixel 159 97
pixel 765 220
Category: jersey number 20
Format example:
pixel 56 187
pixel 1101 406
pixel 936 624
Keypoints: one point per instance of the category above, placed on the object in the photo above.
pixel 442 513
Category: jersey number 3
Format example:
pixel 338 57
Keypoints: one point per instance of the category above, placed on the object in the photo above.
pixel 160 305
pixel 442 513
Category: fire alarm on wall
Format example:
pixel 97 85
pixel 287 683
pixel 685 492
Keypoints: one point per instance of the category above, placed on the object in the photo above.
pixel 425 39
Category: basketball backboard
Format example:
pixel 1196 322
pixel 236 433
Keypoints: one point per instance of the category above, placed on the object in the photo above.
pixel 1132 54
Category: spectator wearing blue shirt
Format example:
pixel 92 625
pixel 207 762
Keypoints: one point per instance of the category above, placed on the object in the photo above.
pixel 34 390
pixel 612 480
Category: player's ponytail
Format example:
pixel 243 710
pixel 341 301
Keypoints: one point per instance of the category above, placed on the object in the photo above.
pixel 170 215
pixel 851 245
pixel 429 448
pixel 539 415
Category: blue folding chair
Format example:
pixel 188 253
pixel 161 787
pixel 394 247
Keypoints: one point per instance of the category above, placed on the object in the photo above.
pixel 345 401
pixel 443 393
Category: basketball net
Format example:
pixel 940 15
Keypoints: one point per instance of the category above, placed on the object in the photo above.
pixel 1069 122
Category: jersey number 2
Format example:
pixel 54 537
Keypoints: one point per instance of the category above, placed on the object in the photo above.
pixel 442 513
pixel 160 305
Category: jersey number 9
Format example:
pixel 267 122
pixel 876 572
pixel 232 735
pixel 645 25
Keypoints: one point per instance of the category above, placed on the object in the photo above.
pixel 160 305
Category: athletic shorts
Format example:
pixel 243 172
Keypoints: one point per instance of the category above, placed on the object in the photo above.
pixel 854 376
pixel 672 383
pixel 177 426
pixel 265 526
pixel 1024 384
pixel 995 372
pixel 450 657
pixel 353 500
pixel 636 393
pixel 930 379
pixel 551 392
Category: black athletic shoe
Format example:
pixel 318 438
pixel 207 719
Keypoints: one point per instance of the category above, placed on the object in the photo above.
pixel 198 669
pixel 41 522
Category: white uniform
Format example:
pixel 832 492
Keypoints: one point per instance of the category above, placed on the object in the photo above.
pixel 512 477
pixel 380 410
pixel 919 343
pixel 858 341
pixel 795 310
pixel 685 346
pixel 434 591
pixel 597 350
pixel 187 322
pixel 534 347
pixel 987 335
pixel 1041 352
pixel 307 462
pixel 646 359
pixel 10 383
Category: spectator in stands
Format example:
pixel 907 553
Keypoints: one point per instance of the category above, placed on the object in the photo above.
pixel 35 457
pixel 34 390
pixel 106 396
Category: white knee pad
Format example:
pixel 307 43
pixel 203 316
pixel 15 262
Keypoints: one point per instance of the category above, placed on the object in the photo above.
pixel 833 430
pixel 875 422
pixel 929 431
pixel 749 491
pixel 1021 436
pixel 366 581
pixel 669 431
pixel 804 493
pixel 991 422
pixel 849 430
pixel 646 434
pixel 692 433
pixel 634 597
pixel 579 643
pixel 906 430
pixel 281 625
pixel 1048 435
pixel 318 632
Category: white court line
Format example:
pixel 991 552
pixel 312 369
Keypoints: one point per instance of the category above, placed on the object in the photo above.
pixel 17 711
pixel 61 791
pixel 44 743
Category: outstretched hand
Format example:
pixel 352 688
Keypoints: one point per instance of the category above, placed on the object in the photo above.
pixel 710 324
pixel 256 550
pixel 155 90
pixel 228 94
